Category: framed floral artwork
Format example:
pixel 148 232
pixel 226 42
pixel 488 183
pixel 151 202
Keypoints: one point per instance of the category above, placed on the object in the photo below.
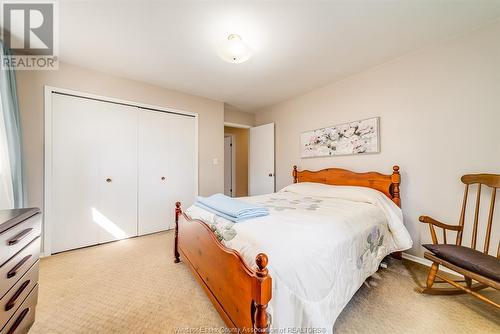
pixel 358 137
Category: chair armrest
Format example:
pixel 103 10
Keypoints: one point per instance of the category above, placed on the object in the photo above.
pixel 429 220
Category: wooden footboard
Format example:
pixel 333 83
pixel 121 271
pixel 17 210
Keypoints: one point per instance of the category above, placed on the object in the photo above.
pixel 239 293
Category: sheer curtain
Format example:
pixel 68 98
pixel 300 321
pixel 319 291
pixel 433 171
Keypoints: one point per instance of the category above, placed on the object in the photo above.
pixel 11 164
pixel 6 189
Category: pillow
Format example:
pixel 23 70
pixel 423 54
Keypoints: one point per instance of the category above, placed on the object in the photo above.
pixel 352 193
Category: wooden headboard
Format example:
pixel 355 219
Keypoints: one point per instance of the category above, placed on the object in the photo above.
pixel 385 183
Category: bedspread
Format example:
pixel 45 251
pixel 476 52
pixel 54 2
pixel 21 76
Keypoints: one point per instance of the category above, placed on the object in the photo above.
pixel 322 242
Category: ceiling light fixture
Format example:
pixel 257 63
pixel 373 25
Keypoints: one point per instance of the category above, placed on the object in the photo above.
pixel 234 50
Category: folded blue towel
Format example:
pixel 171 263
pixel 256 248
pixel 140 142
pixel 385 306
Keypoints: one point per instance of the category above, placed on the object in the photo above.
pixel 231 218
pixel 231 208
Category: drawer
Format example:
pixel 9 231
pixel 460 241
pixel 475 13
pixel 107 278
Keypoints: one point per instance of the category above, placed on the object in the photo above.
pixel 21 321
pixel 16 238
pixel 15 296
pixel 15 268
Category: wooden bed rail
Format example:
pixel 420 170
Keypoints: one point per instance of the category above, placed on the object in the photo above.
pixel 239 293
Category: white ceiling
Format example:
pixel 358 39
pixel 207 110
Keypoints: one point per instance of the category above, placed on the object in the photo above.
pixel 299 45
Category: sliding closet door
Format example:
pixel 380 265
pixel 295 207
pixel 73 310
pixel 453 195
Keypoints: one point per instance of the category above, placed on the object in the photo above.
pixel 116 214
pixel 153 141
pixel 75 169
pixel 117 170
pixel 94 172
pixel 182 164
pixel 166 168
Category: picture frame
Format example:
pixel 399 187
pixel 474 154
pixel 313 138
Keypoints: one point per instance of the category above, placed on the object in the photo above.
pixel 351 138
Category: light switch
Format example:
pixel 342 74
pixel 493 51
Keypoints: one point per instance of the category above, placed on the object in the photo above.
pixel 215 161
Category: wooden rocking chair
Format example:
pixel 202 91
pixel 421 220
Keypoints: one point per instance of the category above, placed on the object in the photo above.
pixel 471 263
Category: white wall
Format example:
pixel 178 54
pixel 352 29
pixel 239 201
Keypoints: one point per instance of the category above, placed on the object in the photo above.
pixel 30 88
pixel 235 116
pixel 440 118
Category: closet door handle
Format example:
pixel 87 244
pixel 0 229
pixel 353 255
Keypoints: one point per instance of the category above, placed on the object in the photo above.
pixel 12 302
pixel 109 180
pixel 20 236
pixel 163 178
pixel 15 269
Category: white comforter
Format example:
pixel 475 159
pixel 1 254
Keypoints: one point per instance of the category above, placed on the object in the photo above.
pixel 322 242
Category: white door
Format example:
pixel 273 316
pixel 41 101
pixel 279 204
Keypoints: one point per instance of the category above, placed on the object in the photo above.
pixel 261 160
pixel 167 165
pixel 94 172
pixel 182 178
pixel 116 213
pixel 75 169
pixel 228 163
pixel 116 171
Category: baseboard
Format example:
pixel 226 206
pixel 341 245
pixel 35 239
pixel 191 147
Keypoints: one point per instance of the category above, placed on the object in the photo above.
pixel 427 263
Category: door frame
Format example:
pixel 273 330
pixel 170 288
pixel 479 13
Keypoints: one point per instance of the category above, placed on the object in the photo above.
pixel 237 125
pixel 233 163
pixel 47 149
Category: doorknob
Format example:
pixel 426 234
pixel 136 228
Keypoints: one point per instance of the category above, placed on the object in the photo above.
pixel 108 180
pixel 163 178
pixel 271 174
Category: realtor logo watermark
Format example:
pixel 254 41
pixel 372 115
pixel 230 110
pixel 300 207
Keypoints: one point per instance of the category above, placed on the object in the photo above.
pixel 30 31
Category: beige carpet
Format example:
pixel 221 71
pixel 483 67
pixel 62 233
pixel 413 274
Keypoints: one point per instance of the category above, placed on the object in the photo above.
pixel 133 286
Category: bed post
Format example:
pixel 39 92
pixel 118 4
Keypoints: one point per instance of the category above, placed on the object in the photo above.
pixel 178 212
pixel 294 173
pixel 395 179
pixel 262 294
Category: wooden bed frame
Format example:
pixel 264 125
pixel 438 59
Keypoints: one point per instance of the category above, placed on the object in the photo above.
pixel 239 292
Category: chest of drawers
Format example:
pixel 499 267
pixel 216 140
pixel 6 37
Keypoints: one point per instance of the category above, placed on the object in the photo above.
pixel 19 252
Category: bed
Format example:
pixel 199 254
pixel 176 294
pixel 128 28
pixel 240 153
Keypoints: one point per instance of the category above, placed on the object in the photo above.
pixel 326 233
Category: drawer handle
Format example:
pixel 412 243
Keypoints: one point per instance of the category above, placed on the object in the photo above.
pixel 12 302
pixel 15 269
pixel 18 321
pixel 18 237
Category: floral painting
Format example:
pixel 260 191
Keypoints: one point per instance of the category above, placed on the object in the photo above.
pixel 350 138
